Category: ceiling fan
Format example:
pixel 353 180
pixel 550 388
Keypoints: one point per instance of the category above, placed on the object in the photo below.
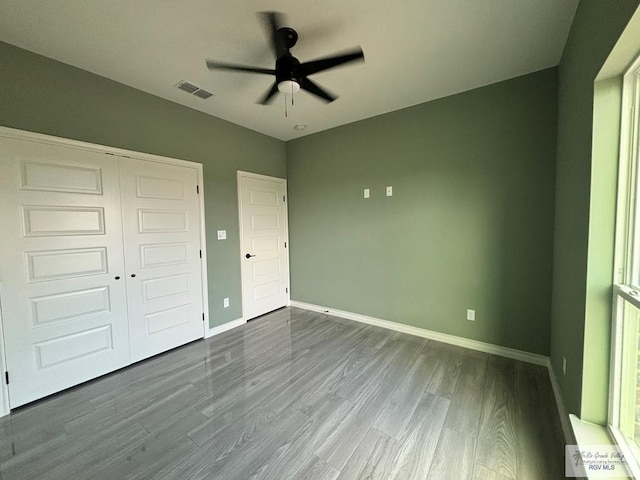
pixel 291 75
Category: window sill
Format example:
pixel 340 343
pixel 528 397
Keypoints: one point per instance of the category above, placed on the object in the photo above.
pixel 591 434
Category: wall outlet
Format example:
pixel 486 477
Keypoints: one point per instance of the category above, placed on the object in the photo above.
pixel 389 191
pixel 366 193
pixel 222 234
pixel 471 315
pixel 225 303
pixel 564 365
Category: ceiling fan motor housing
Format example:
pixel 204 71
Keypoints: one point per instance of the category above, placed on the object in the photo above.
pixel 287 69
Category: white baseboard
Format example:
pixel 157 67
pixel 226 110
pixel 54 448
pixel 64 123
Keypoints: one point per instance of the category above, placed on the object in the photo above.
pixel 565 421
pixel 430 334
pixel 224 327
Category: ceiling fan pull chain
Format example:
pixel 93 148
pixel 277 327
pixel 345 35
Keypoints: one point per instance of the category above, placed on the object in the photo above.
pixel 285 106
pixel 292 94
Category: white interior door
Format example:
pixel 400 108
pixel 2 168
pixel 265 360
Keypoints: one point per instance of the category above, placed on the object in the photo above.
pixel 161 218
pixel 62 282
pixel 263 232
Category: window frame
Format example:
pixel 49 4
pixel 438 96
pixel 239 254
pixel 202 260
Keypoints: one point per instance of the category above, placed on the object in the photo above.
pixel 626 281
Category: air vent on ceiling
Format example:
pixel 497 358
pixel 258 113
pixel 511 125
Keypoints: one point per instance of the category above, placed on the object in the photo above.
pixel 202 94
pixel 195 90
pixel 187 87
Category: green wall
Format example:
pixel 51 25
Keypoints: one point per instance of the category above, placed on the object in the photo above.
pixel 41 95
pixel 469 225
pixel 582 270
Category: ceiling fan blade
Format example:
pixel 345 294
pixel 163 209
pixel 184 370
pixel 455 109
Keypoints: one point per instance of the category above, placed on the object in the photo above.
pixel 213 65
pixel 312 87
pixel 314 66
pixel 268 97
pixel 272 21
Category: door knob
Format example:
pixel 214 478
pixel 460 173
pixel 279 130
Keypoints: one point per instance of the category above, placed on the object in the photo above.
pixel 117 277
pixel 248 255
pixel 133 275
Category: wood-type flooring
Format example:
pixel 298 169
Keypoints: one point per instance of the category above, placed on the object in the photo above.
pixel 296 395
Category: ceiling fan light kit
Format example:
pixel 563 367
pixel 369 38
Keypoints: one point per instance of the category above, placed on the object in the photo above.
pixel 288 86
pixel 291 75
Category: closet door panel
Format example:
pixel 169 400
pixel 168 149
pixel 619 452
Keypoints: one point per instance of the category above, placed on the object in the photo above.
pixel 64 312
pixel 161 219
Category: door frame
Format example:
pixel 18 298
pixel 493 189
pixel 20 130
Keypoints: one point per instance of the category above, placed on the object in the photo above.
pixel 4 388
pixel 116 152
pixel 258 176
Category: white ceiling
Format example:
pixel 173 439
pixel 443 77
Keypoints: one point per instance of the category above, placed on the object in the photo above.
pixel 415 50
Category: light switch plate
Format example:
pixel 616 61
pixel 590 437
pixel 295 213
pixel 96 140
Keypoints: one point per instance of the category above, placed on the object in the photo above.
pixel 389 191
pixel 366 193
pixel 225 302
pixel 222 234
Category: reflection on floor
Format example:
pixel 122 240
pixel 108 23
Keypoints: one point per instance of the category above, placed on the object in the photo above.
pixel 296 395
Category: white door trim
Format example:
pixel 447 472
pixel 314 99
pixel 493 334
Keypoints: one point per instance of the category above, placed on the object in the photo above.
pixel 4 389
pixel 67 142
pixel 240 175
pixel 118 152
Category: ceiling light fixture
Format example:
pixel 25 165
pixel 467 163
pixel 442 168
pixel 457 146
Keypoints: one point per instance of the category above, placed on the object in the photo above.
pixel 288 86
pixel 300 128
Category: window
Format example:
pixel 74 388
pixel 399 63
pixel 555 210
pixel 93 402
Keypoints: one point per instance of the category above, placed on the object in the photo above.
pixel 624 409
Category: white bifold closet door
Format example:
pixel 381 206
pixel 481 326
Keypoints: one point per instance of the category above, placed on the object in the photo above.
pixel 162 244
pixel 99 263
